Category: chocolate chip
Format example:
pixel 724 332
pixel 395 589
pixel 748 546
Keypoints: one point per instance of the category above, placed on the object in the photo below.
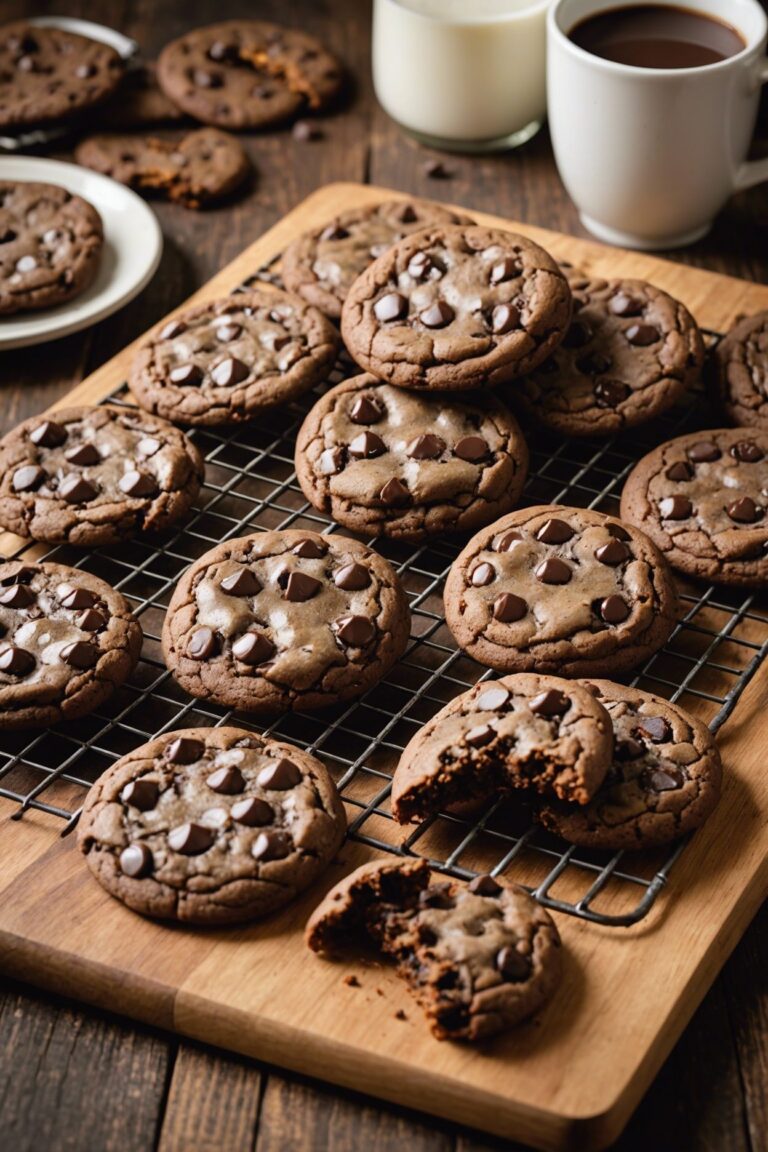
pixel 91 620
pixel 203 643
pixel 577 335
pixel 141 794
pixel 228 781
pixel 191 839
pixel 614 610
pixel 49 434
pixel 655 728
pixel 271 846
pixel 504 318
pixel 300 587
pixel 16 661
pixel 7 236
pixel 228 331
pixel 28 478
pixel 744 511
pixel 172 328
pixel 83 455
pixel 435 170
pixel 680 471
pixel 553 571
pixel 552 702
pixel 624 305
pixel 310 549
pixel 394 492
pixel 229 371
pixel 366 445
pixel 610 393
pixel 186 375
pixel 507 542
pixel 426 447
pixel 641 335
pixel 484 886
pixel 331 461
pixel 480 735
pixel 355 631
pixel 253 812
pixel 664 779
pixel 77 490
pixel 279 776
pixel 184 750
pixel 438 895
pixel 81 655
pixel 483 574
pixel 437 315
pixel 503 270
pixel 136 861
pixel 407 215
pixel 352 577
pixel 612 553
pixel 203 78
pixel 17 596
pixel 492 699
pixel 509 608
pixel 554 532
pixel 675 508
pixel 619 531
pixel 420 265
pixel 703 452
pixel 746 451
pixel 147 446
pixel 473 449
pixel 253 648
pixel 85 71
pixel 393 306
pixel 220 50
pixel 76 598
pixel 593 364
pixel 244 582
pixel 512 965
pixel 334 232
pixel 629 749
pixel 26 264
pixel 137 484
pixel 366 410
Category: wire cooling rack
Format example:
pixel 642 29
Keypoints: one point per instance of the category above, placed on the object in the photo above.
pixel 251 485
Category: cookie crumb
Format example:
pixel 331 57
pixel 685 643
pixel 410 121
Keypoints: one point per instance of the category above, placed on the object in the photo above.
pixel 436 170
pixel 352 981
pixel 400 1015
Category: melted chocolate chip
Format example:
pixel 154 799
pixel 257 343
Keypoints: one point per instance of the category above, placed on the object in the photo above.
pixel 228 781
pixel 137 484
pixel 509 608
pixel 253 648
pixel 703 452
pixel 426 447
pixel 641 335
pixel 136 861
pixel 334 232
pixel 191 839
pixel 473 449
pixel 485 886
pixel 507 542
pixel 618 531
pixel 366 445
pixel 554 532
pixel 612 553
pixel 355 631
pixel 394 492
pixel 331 461
pixel 80 655
pixel 420 265
pixel 593 364
pixel 437 315
pixel 91 620
pixel 83 455
pixel 492 699
pixel 480 735
pixel 503 270
pixel 512 965
pixel 271 846
pixel 77 490
pixel 366 410
pixel 203 643
pixel 504 318
pixel 552 702
pixel 629 749
pixel 744 511
pixel 624 305
pixel 186 375
pixel 746 451
pixel 553 571
pixel 665 779
pixel 29 478
pixel 16 661
pixel 229 372
pixel 148 446
pixel 141 794
pixel 244 582
pixel 393 306
pixel 17 596
pixel 352 577
pixel 253 812
pixel 74 598
pixel 279 776
pixel 610 393
pixel 172 328
pixel 481 575
pixel 655 728
pixel 49 434
pixel 675 508
pixel 614 610
pixel 680 472
pixel 310 549
pixel 228 331
pixel 300 587
pixel 184 750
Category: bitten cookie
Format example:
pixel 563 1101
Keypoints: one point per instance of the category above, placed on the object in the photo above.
pixel 285 620
pixel 67 640
pixel 211 825
pixel 478 958
pixel 322 264
pixel 388 462
pixel 95 476
pixel 740 372
pixel 663 782
pixel 458 307
pixel 703 500
pixel 562 590
pixel 223 362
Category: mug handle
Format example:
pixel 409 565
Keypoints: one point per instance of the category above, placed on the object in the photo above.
pixel 754 171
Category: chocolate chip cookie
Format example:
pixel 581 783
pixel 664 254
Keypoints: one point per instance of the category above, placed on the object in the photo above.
pixel 211 825
pixel 562 590
pixel 322 264
pixel 284 620
pixel 225 361
pixel 67 640
pixel 663 782
pixel 479 958
pixel 456 307
pixel 387 462
pixel 196 170
pixel 630 353
pixel 703 499
pixel 50 245
pixel 96 476
pixel 740 372
pixel 48 75
pixel 248 74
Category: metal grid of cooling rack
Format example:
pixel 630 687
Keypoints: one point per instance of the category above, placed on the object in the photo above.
pixel 251 485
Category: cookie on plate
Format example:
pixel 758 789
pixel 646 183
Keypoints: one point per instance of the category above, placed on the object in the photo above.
pixel 196 170
pixel 663 782
pixel 225 361
pixel 479 958
pixel 562 590
pixel 211 825
pixel 630 353
pixel 703 499
pixel 139 103
pixel 50 245
pixel 387 462
pixel 740 372
pixel 67 640
pixel 285 619
pixel 323 264
pixel 243 74
pixel 94 476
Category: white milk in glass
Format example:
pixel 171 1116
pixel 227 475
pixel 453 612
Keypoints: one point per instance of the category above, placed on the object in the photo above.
pixel 462 73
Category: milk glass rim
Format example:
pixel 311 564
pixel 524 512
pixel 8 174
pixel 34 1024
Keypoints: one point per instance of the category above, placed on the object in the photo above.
pixel 531 9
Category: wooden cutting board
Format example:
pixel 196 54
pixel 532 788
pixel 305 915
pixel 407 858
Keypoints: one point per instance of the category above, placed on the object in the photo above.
pixel 569 1079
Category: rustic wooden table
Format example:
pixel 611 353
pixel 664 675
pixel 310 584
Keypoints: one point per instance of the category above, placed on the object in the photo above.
pixel 79 1080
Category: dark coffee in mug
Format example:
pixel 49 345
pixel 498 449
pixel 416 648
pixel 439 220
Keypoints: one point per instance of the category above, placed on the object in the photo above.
pixel 657 36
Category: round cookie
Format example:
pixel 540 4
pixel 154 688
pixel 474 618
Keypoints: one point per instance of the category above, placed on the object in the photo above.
pixel 243 74
pixel 562 590
pixel 527 731
pixel 95 476
pixel 50 245
pixel 740 372
pixel 67 640
pixel 47 74
pixel 211 825
pixel 703 499
pixel 282 620
pixel 225 361
pixel 630 353
pixel 387 462
pixel 323 264
pixel 456 307
pixel 663 782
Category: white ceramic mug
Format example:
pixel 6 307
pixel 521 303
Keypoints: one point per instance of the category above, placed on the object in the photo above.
pixel 649 156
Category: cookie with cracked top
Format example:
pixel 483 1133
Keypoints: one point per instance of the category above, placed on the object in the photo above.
pixel 479 958
pixel 560 590
pixel 285 619
pixel 664 780
pixel 211 825
pixel 739 372
pixel 225 361
pixel 323 264
pixel 456 307
pixel 388 462
pixel 67 640
pixel 703 499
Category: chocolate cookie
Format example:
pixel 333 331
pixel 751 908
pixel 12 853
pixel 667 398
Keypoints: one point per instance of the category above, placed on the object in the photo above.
pixel 96 476
pixel 284 620
pixel 664 780
pixel 322 264
pixel 456 307
pixel 139 103
pixel 50 245
pixel 562 590
pixel 48 75
pixel 740 372
pixel 248 74
pixel 67 640
pixel 703 499
pixel 225 361
pixel 387 462
pixel 478 958
pixel 195 170
pixel 630 352
pixel 211 825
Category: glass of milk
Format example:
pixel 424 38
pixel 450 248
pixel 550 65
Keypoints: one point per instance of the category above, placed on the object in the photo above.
pixel 466 75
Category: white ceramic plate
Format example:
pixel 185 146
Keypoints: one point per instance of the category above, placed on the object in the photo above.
pixel 133 244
